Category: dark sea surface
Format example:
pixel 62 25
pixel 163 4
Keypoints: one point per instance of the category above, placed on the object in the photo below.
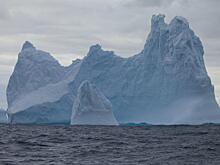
pixel 61 145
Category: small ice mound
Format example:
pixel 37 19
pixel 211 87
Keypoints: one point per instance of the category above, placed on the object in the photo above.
pixel 91 107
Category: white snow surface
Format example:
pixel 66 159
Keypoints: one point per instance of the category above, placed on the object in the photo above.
pixel 91 107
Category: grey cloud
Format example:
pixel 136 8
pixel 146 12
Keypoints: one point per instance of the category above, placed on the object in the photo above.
pixel 4 11
pixel 147 3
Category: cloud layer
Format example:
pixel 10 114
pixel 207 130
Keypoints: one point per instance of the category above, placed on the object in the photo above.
pixel 68 28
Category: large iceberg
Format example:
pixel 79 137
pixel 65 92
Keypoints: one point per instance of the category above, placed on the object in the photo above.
pixel 166 83
pixel 91 107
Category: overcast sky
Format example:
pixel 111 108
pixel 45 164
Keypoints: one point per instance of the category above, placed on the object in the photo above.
pixel 67 28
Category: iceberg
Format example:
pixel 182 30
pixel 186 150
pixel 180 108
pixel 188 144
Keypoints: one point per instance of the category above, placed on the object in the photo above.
pixel 91 107
pixel 166 83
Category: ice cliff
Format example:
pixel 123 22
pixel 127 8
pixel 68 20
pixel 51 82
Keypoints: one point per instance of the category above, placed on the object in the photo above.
pixel 3 116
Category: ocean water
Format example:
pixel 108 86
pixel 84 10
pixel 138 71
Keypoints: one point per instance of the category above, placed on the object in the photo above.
pixel 105 145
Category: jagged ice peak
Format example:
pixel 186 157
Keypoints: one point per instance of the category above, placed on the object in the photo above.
pixel 27 45
pixel 158 21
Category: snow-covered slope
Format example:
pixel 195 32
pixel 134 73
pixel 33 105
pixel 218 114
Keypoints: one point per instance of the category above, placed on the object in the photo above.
pixel 91 107
pixel 165 83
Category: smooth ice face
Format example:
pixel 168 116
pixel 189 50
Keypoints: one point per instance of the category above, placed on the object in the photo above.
pixel 3 116
pixel 91 107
